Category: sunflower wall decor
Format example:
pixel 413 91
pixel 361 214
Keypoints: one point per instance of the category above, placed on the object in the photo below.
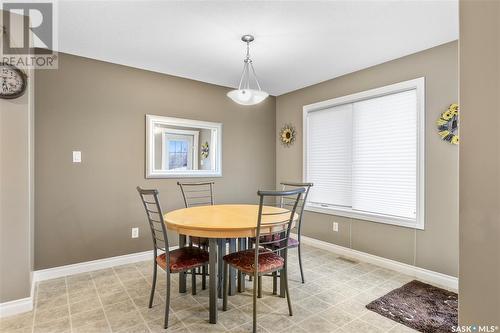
pixel 448 125
pixel 287 135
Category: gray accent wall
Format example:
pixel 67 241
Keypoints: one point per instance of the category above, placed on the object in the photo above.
pixel 436 247
pixel 479 284
pixel 86 211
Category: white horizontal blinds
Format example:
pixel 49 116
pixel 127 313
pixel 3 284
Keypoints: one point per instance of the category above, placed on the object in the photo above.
pixel 384 168
pixel 329 152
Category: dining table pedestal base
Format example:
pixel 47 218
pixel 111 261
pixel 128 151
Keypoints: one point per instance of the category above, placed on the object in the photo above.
pixel 212 280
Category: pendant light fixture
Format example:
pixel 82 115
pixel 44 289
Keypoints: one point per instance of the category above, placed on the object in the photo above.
pixel 245 95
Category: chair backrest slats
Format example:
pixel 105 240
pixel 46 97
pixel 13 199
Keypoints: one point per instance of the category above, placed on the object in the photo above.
pixel 149 197
pixel 269 230
pixel 197 193
pixel 302 202
pixel 157 230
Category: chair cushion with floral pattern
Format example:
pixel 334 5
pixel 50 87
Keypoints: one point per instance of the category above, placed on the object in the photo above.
pixel 183 259
pixel 245 261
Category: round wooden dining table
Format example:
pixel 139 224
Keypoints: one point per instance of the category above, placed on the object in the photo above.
pixel 219 223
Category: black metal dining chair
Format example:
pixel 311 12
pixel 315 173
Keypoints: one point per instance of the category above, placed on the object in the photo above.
pixel 198 194
pixel 296 243
pixel 269 254
pixel 171 261
pixel 287 202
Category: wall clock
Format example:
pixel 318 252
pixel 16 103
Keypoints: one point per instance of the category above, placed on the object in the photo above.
pixel 12 81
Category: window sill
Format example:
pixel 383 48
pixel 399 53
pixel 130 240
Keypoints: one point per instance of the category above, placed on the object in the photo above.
pixel 400 222
pixel 182 174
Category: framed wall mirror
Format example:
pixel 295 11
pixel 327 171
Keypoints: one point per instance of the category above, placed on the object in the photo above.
pixel 179 148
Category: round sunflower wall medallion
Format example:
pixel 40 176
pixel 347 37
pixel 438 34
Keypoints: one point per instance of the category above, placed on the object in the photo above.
pixel 448 125
pixel 287 135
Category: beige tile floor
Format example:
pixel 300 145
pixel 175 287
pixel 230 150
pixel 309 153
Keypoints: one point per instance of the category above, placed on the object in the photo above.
pixel 333 299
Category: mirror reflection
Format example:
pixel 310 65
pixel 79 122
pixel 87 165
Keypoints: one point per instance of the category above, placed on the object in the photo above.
pixel 182 147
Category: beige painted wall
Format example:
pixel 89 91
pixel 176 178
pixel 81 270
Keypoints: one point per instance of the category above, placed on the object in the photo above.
pixel 435 248
pixel 479 284
pixel 86 211
pixel 16 189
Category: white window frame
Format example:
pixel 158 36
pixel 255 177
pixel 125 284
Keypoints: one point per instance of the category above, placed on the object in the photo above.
pixel 191 136
pixel 419 85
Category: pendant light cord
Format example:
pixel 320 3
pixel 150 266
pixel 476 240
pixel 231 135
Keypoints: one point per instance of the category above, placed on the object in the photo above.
pixel 255 76
pixel 245 75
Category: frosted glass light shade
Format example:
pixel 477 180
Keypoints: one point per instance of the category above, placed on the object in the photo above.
pixel 247 96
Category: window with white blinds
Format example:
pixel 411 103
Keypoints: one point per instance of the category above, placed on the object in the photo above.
pixel 330 151
pixel 364 154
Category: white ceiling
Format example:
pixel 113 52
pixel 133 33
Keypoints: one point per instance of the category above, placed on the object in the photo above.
pixel 297 43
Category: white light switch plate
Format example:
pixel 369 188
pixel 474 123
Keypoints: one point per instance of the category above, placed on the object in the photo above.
pixel 135 232
pixel 77 156
pixel 335 227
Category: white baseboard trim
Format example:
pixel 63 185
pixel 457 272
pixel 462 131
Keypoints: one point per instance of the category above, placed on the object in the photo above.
pixel 26 304
pixel 16 306
pixel 423 274
pixel 93 265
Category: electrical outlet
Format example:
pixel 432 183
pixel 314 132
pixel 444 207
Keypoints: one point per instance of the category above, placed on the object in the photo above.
pixel 77 156
pixel 335 227
pixel 135 232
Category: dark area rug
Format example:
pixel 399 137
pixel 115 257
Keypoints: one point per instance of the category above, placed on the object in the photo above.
pixel 420 306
